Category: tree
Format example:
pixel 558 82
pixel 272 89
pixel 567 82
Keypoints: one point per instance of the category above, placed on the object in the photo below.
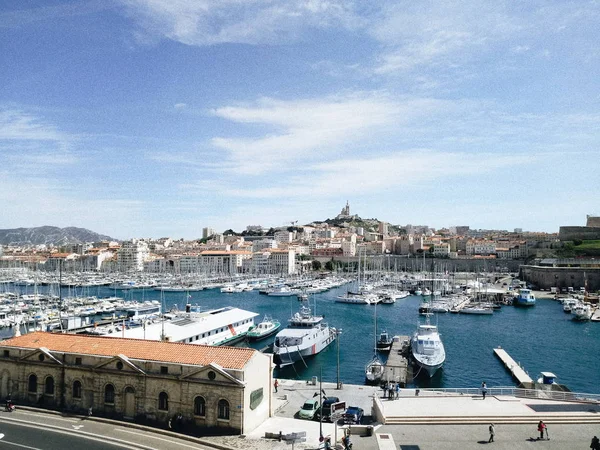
pixel 329 266
pixel 316 264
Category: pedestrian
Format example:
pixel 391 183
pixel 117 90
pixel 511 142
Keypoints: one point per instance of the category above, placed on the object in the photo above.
pixel 276 384
pixel 492 432
pixel 483 389
pixel 595 445
pixel 391 392
pixel 397 390
pixel 384 386
pixel 541 428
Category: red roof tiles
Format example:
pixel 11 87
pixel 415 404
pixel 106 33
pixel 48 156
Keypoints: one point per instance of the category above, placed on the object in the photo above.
pixel 174 352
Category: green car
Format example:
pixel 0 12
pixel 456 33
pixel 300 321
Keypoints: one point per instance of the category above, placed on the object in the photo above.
pixel 309 409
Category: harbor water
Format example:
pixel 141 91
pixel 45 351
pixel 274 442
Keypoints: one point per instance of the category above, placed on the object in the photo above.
pixel 540 338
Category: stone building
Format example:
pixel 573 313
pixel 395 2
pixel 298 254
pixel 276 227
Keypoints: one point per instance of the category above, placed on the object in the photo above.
pixel 209 389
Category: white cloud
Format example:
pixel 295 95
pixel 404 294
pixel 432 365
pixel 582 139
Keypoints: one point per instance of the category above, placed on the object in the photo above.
pixel 18 125
pixel 313 128
pixel 208 22
pixel 402 169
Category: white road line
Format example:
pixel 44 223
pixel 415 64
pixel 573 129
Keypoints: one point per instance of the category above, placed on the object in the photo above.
pixel 180 444
pixel 21 445
pixel 46 418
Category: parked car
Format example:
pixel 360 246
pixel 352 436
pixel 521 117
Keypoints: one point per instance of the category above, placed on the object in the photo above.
pixel 353 415
pixel 309 409
pixel 325 409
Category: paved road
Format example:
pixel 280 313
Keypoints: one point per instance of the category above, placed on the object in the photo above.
pixel 39 429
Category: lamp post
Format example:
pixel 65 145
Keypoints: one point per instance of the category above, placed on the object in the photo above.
pixel 338 332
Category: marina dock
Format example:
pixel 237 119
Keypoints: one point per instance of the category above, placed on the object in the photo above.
pixel 514 368
pixel 396 366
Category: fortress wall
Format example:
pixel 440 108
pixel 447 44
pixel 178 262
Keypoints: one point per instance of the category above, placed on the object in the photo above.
pixel 547 277
pixel 583 233
pixel 593 221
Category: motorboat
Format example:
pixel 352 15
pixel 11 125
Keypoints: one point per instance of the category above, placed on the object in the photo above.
pixel 384 342
pixel 477 309
pixel 582 312
pixel 267 327
pixel 306 335
pixel 427 348
pixel 569 304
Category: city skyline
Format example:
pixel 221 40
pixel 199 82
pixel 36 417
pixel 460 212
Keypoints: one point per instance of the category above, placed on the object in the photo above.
pixel 143 118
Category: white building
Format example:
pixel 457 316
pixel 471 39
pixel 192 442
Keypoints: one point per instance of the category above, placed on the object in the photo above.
pixel 441 249
pixel 283 237
pixel 131 255
pixel 480 247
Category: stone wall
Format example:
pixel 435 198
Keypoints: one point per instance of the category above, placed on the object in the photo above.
pixel 562 277
pixel 593 221
pixel 583 233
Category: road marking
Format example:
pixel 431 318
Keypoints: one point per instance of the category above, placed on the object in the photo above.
pixel 158 438
pixel 45 417
pixel 21 445
pixel 77 427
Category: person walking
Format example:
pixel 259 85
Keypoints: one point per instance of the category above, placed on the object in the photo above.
pixel 397 390
pixel 276 385
pixel 595 445
pixel 541 428
pixel 492 432
pixel 483 389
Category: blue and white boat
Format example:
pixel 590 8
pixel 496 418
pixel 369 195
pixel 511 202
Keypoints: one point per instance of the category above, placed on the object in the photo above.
pixel 524 297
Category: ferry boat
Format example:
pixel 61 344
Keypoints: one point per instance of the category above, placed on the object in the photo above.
pixel 427 348
pixel 524 297
pixel 306 335
pixel 221 326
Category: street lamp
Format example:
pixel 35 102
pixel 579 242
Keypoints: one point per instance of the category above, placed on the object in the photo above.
pixel 320 403
pixel 337 335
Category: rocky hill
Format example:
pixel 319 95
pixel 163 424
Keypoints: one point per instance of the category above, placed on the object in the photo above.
pixel 50 236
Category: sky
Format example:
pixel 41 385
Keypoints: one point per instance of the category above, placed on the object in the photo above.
pixel 151 118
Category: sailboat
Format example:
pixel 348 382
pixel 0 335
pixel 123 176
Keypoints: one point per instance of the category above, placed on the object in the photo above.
pixel 374 368
pixel 427 348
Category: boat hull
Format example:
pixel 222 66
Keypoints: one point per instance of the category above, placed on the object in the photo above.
pixel 315 343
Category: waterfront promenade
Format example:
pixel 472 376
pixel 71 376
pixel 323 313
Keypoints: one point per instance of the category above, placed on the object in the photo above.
pixel 431 420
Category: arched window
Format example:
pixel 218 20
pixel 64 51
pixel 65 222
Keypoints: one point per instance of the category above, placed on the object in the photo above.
pixel 163 401
pixel 223 410
pixel 109 394
pixel 32 385
pixel 49 388
pixel 77 389
pixel 199 406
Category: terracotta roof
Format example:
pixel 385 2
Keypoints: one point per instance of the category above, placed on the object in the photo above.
pixel 174 352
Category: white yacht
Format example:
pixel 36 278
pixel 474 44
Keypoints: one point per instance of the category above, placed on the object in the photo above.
pixel 306 335
pixel 427 348
pixel 582 311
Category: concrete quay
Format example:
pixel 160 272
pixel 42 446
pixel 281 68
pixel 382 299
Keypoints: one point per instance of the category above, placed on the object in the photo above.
pixel 429 420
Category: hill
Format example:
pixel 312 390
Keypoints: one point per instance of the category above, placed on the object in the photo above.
pixel 50 236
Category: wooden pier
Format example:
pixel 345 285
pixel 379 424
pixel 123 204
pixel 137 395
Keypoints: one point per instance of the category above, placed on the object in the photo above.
pixel 396 367
pixel 514 368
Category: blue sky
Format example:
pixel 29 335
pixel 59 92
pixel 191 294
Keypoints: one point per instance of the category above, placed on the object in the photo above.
pixel 150 118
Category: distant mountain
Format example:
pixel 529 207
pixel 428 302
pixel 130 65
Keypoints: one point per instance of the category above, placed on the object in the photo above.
pixel 50 235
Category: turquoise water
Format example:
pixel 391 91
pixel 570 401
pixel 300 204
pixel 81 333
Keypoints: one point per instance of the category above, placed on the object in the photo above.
pixel 542 338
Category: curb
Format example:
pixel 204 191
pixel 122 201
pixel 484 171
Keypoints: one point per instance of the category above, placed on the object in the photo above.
pixel 136 426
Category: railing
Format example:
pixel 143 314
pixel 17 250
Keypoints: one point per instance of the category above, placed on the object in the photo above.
pixel 541 394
